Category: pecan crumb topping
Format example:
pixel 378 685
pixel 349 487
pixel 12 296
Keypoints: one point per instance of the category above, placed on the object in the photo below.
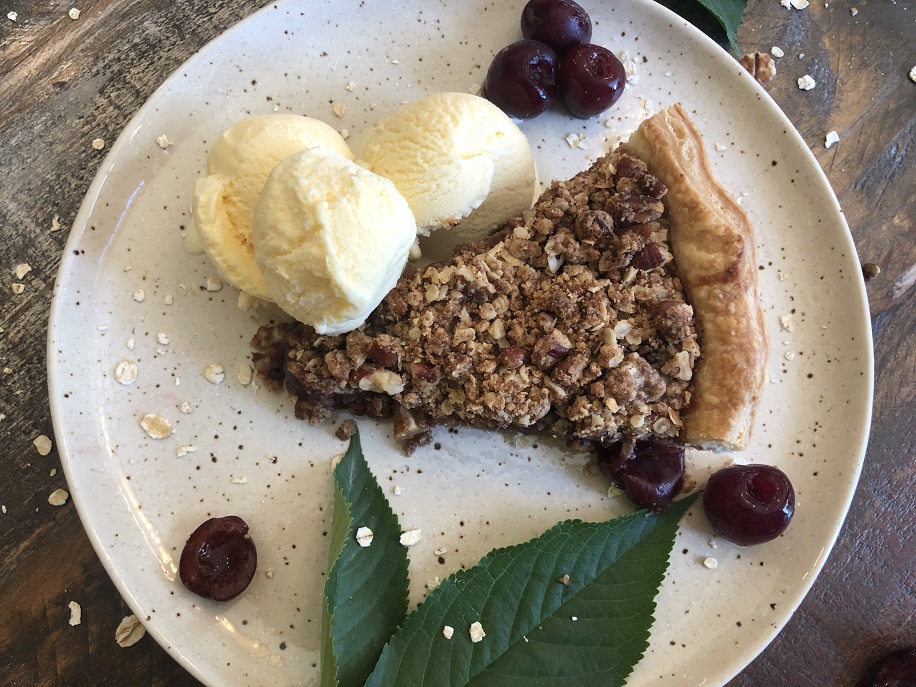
pixel 569 319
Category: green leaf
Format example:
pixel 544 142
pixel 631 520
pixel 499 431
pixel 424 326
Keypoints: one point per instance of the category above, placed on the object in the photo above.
pixel 729 13
pixel 366 590
pixel 727 16
pixel 614 568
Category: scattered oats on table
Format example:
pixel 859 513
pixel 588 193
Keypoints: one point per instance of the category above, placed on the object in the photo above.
pixel 22 269
pixel 129 632
pixel 806 83
pixel 12 16
pixel 98 143
pixel 17 288
pixel 58 497
pixel 43 444
pixel 476 632
pixel 831 139
pixel 76 614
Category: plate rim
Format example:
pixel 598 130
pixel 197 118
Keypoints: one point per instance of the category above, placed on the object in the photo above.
pixel 56 369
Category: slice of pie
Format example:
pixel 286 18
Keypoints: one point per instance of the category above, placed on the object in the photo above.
pixel 622 306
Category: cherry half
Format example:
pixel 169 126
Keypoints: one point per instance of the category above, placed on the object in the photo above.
pixel 591 79
pixel 749 504
pixel 522 79
pixel 651 474
pixel 219 559
pixel 561 24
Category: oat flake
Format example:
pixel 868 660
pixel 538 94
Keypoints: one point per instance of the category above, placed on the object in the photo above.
pixel 12 16
pixel 411 537
pixel 126 372
pixel 182 451
pixel 214 284
pixel 214 373
pixel 913 74
pixel 17 288
pixel 43 444
pixel 156 426
pixel 448 631
pixel 22 269
pixel 477 632
pixel 162 338
pixel 55 223
pixel 245 374
pixel 799 4
pixel 351 86
pixel 364 536
pixel 831 139
pixel 163 142
pixel 186 408
pixel 58 497
pixel 139 295
pixel 806 83
pixel 76 614
pixel 339 109
pixel 776 51
pixel 168 300
pixel 129 632
pixel 711 563
pixel 98 143
pixel 853 11
pixel 74 13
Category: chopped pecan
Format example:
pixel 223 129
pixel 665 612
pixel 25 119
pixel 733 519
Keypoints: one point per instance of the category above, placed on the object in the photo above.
pixel 386 351
pixel 596 226
pixel 648 258
pixel 569 370
pixel 761 66
pixel 512 357
pixel 550 348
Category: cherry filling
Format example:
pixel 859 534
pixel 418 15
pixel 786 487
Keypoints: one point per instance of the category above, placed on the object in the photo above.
pixel 219 559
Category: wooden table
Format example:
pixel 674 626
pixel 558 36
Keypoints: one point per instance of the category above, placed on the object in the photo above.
pixel 65 82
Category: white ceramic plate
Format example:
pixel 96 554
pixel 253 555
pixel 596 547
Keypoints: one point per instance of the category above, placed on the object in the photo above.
pixel 139 500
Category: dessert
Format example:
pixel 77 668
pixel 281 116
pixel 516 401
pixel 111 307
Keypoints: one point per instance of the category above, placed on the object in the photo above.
pixel 331 239
pixel 576 318
pixel 237 168
pixel 456 158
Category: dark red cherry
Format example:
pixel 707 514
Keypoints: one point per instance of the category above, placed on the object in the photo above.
pixel 522 79
pixel 897 669
pixel 749 504
pixel 219 559
pixel 651 474
pixel 561 24
pixel 591 79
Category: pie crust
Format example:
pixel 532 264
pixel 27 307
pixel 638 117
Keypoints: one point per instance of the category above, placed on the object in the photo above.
pixel 713 244
pixel 572 319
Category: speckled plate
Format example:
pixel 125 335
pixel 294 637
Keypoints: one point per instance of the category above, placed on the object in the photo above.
pixel 139 498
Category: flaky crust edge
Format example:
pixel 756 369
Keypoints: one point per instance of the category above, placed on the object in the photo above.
pixel 713 245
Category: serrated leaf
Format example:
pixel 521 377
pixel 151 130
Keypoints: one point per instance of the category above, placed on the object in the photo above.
pixel 718 19
pixel 538 630
pixel 366 591
pixel 729 14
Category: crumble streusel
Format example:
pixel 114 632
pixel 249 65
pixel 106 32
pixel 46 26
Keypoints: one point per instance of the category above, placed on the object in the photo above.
pixel 569 319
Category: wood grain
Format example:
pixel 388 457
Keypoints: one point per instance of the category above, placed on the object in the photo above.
pixel 65 83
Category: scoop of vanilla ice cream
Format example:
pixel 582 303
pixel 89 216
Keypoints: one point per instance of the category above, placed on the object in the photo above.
pixel 331 239
pixel 237 168
pixel 455 157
